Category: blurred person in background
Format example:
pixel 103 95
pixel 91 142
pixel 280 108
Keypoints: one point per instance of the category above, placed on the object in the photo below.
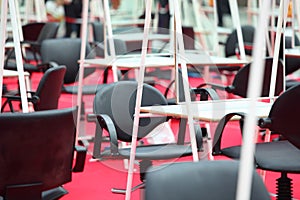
pixel 73 9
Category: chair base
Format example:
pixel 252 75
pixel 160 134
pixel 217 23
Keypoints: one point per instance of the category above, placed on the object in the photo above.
pixel 284 187
pixel 123 191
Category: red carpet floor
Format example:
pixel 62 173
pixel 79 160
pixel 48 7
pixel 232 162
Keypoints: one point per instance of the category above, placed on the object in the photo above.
pixel 98 177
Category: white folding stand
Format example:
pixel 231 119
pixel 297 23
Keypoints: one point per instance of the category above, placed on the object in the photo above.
pixel 17 47
pixel 235 19
pixel 140 90
pixel 255 85
pixel 35 10
pixel 237 25
pixel 108 29
pixel 283 8
pixel 140 79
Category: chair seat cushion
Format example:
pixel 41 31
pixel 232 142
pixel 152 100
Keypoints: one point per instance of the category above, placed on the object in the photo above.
pixel 279 156
pixel 158 152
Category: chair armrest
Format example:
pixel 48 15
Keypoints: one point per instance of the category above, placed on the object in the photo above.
pixel 17 97
pixel 199 136
pixel 30 43
pixel 80 158
pixel 265 123
pixel 214 86
pixel 168 88
pixel 219 131
pixel 91 117
pixel 205 93
pixel 44 66
pixel 106 122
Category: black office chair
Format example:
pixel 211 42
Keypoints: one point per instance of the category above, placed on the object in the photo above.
pixel 120 49
pixel 209 180
pixel 280 156
pixel 98 31
pixel 114 108
pixel 292 64
pixel 231 43
pixel 47 94
pixel 32 53
pixel 98 42
pixel 31 31
pixel 240 83
pixel 66 51
pixel 200 93
pixel 231 48
pixel 37 151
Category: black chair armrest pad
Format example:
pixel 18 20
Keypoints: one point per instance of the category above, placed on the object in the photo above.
pixel 106 122
pixel 214 86
pixel 80 158
pixel 205 93
pixel 220 128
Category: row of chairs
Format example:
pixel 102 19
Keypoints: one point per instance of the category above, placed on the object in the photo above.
pixel 37 154
pixel 39 158
pixel 112 117
pixel 282 155
pixel 179 180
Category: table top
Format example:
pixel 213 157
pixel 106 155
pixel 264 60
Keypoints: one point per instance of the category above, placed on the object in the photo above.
pixel 12 73
pixel 127 22
pixel 295 52
pixel 135 37
pixel 209 110
pixel 165 60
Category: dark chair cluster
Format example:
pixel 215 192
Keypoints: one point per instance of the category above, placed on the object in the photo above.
pixel 30 174
pixel 39 150
pixel 278 156
pixel 37 157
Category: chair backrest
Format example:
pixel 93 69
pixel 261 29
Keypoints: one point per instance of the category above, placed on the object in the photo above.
pixel 48 31
pixel 66 51
pixel 120 48
pixel 240 83
pixel 188 37
pixel 31 31
pixel 49 88
pixel 292 64
pixel 98 31
pixel 231 43
pixel 117 100
pixel 284 115
pixel 209 180
pixel 36 151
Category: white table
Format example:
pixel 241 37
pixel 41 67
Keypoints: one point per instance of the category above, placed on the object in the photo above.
pixel 206 111
pixel 133 61
pixel 165 60
pixel 209 111
pixel 127 22
pixel 294 52
pixel 138 37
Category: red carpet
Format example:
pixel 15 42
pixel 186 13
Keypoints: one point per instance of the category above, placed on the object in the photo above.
pixel 99 177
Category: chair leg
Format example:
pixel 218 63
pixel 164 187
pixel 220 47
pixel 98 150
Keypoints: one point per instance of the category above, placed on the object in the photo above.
pixel 284 187
pixel 97 142
pixel 82 111
pixel 123 191
pixel 144 165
